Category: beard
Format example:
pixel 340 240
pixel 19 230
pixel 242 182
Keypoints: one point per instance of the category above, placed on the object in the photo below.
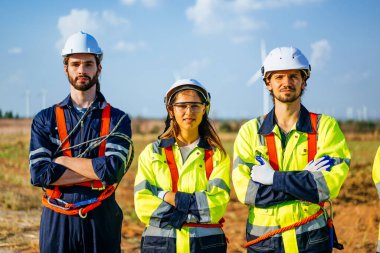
pixel 289 98
pixel 84 86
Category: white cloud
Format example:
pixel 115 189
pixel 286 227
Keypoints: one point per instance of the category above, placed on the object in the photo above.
pixel 77 20
pixel 145 3
pixel 300 24
pixel 129 46
pixel 219 16
pixel 321 51
pixel 150 3
pixel 234 17
pixel 90 22
pixel 128 2
pixel 194 68
pixel 255 5
pixel 111 18
pixel 15 50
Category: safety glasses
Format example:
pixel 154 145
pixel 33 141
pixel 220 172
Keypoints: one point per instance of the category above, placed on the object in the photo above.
pixel 182 107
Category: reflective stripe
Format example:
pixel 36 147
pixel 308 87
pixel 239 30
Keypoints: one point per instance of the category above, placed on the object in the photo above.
pixel 117 147
pixel 145 185
pixel 259 123
pixel 323 190
pixel 202 232
pixel 156 147
pixel 240 161
pixel 251 193
pixel 203 208
pixel 118 154
pixel 261 230
pixel 40 150
pixel 163 209
pixel 218 182
pixel 33 161
pixel 54 140
pixel 318 223
pixel 161 232
pixel 378 189
pixel 338 160
pixel 378 246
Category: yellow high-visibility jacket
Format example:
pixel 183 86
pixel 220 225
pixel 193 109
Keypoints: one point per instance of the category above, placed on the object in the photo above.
pixel 198 200
pixel 376 180
pixel 295 193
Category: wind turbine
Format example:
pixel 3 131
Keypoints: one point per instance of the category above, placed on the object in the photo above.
pixel 27 103
pixel 258 76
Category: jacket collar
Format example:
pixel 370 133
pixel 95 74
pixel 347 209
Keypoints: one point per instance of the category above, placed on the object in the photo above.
pixel 99 102
pixel 303 123
pixel 164 143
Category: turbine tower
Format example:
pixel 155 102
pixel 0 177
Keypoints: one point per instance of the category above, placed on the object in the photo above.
pixel 258 75
pixel 27 103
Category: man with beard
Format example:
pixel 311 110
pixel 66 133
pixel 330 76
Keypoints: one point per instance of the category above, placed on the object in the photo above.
pixel 79 149
pixel 288 163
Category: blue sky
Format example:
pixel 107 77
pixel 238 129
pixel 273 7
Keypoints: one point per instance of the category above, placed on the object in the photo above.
pixel 149 43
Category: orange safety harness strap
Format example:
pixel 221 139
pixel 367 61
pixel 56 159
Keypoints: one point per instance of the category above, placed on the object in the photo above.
pixel 55 193
pixel 272 153
pixel 174 174
pixel 62 131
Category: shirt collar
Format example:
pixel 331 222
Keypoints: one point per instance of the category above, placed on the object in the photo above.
pixel 164 143
pixel 99 102
pixel 303 123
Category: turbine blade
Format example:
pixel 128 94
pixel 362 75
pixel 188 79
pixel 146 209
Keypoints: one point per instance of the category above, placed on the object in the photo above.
pixel 263 51
pixel 254 78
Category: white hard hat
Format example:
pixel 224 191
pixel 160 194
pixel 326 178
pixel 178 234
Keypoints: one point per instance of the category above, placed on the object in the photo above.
pixel 285 58
pixel 188 84
pixel 82 42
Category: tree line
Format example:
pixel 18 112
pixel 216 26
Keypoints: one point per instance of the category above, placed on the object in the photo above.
pixel 8 115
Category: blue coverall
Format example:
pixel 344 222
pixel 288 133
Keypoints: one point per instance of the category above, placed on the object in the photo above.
pixel 101 230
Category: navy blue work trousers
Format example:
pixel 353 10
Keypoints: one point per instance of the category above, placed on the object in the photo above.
pixel 99 232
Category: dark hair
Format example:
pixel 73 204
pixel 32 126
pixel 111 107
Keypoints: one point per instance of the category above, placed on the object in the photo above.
pixel 205 128
pixel 97 60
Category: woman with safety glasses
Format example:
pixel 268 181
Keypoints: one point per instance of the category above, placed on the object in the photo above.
pixel 182 184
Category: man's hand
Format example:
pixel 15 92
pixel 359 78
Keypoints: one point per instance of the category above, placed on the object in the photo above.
pixel 323 163
pixel 262 173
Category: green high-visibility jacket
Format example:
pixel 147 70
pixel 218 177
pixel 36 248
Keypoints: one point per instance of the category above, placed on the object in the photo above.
pixel 376 180
pixel 198 200
pixel 295 193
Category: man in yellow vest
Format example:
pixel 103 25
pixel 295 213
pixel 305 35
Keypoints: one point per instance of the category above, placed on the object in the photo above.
pixel 376 180
pixel 79 149
pixel 288 163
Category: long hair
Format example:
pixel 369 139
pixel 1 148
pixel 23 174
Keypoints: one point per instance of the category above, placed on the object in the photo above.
pixel 205 128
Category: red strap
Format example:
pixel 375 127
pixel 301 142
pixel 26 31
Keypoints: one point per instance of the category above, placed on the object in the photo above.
pixel 311 143
pixel 62 130
pixel 173 167
pixel 207 225
pixel 79 211
pixel 105 128
pixel 272 152
pixel 174 170
pixel 208 163
pixel 312 137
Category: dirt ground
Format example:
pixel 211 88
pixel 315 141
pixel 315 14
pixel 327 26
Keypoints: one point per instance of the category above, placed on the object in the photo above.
pixel 356 214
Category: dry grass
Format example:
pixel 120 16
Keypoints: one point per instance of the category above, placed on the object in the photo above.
pixel 356 208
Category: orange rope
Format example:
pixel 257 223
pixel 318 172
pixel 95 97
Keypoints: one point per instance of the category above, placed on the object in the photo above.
pixel 280 230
